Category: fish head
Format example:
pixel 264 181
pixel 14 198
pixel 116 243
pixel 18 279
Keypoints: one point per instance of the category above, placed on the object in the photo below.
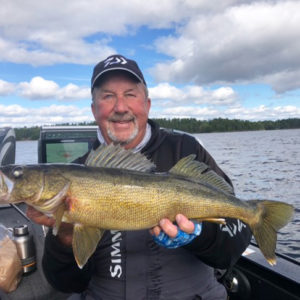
pixel 20 184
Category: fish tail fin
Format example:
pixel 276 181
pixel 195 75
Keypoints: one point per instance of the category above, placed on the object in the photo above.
pixel 272 215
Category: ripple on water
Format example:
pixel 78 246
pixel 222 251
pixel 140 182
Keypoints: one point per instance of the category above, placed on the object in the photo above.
pixel 266 165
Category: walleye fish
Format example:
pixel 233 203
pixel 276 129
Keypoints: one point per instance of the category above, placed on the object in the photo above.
pixel 118 190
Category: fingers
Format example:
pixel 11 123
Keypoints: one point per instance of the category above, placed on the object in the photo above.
pixel 168 227
pixel 171 229
pixel 155 230
pixel 185 224
pixel 165 225
pixel 65 233
pixel 38 217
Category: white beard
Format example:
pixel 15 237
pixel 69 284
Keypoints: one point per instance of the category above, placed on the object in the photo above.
pixel 116 140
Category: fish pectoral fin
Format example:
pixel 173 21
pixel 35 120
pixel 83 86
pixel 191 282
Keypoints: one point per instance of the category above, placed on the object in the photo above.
pixel 58 215
pixel 51 205
pixel 85 241
pixel 214 220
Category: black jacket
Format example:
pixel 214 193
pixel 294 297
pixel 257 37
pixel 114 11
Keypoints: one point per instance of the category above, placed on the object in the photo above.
pixel 129 265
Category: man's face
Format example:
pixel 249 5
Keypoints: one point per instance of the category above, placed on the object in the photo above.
pixel 121 109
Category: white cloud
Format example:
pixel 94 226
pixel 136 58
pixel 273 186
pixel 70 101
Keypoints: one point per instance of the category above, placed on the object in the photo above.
pixel 165 91
pixel 263 112
pixel 72 91
pixel 164 94
pixel 6 88
pixel 41 33
pixel 18 116
pixel 44 33
pixel 80 52
pixel 284 80
pixel 233 41
pixel 39 88
pixel 220 96
pixel 258 113
pixel 243 43
pixel 12 111
pixel 189 112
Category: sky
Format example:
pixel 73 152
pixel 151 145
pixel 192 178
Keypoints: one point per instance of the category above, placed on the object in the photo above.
pixel 201 59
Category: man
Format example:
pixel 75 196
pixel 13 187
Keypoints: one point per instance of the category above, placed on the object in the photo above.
pixel 138 264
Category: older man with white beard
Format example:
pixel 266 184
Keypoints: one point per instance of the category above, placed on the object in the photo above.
pixel 172 260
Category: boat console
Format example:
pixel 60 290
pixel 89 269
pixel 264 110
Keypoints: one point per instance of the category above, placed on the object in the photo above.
pixel 63 144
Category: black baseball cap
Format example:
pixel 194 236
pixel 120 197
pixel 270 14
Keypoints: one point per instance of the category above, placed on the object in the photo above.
pixel 116 62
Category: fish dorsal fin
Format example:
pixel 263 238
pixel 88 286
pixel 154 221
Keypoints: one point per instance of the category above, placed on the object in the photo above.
pixel 199 171
pixel 114 156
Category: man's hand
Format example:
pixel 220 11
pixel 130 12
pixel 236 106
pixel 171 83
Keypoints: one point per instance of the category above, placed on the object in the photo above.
pixel 65 233
pixel 172 236
pixel 170 229
pixel 38 217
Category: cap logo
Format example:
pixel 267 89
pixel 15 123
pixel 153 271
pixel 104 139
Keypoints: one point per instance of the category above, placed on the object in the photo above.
pixel 114 60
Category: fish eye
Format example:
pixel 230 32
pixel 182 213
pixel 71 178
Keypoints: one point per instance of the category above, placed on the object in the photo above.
pixel 17 172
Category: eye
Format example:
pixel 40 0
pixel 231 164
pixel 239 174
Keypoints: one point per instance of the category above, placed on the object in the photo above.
pixel 107 96
pixel 17 172
pixel 130 95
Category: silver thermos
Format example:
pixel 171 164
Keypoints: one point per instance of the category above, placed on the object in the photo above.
pixel 25 247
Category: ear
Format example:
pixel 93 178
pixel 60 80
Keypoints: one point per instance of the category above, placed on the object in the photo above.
pixel 93 108
pixel 148 104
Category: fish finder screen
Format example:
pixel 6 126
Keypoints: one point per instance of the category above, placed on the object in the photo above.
pixel 65 152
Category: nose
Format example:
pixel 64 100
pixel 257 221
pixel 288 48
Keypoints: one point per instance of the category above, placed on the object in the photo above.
pixel 121 104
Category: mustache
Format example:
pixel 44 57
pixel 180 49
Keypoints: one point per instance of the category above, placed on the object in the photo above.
pixel 121 117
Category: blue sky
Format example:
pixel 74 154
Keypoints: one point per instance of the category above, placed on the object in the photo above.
pixel 201 59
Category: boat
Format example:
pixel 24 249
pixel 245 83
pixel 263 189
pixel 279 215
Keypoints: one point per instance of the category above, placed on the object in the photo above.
pixel 7 146
pixel 252 278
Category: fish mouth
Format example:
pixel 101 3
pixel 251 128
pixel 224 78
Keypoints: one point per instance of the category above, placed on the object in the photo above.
pixel 6 187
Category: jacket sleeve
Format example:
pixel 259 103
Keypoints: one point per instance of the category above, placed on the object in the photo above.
pixel 60 267
pixel 219 246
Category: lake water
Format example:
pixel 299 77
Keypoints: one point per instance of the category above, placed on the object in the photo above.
pixel 261 164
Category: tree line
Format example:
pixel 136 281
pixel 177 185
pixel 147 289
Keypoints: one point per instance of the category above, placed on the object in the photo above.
pixel 224 125
pixel 190 125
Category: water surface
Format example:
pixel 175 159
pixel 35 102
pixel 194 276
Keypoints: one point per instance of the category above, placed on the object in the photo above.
pixel 263 165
